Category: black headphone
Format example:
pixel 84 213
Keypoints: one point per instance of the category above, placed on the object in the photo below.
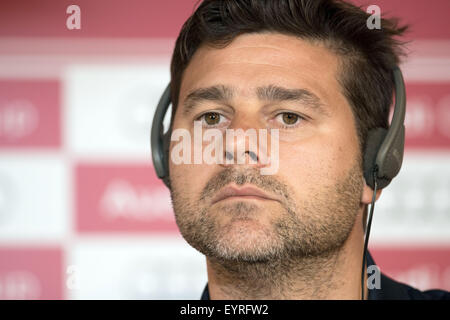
pixel 383 151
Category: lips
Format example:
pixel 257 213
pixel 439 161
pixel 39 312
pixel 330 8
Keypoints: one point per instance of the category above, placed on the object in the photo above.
pixel 249 192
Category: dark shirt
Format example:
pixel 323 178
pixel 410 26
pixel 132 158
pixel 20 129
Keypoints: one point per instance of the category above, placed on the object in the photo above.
pixel 389 290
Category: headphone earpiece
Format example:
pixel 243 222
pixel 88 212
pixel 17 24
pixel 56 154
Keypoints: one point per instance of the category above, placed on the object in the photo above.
pixel 384 147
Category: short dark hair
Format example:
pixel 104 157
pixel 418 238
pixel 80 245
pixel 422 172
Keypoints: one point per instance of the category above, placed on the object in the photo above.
pixel 367 55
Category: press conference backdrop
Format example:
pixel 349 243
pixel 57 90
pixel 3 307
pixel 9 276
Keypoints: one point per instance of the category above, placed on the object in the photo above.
pixel 82 214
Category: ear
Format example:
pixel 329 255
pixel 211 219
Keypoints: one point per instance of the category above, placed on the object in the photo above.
pixel 367 194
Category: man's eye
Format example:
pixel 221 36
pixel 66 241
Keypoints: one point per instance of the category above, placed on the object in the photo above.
pixel 288 118
pixel 211 118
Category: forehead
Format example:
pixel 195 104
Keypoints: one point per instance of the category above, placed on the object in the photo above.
pixel 253 60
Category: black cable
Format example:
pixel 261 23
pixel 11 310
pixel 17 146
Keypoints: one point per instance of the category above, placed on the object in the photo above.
pixel 369 223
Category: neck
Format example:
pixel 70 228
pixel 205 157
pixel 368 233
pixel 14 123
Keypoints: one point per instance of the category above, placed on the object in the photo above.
pixel 332 275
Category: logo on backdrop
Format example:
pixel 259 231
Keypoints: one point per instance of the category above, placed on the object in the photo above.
pixel 18 118
pixel 121 199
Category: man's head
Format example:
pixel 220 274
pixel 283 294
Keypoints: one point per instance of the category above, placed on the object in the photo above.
pixel 245 58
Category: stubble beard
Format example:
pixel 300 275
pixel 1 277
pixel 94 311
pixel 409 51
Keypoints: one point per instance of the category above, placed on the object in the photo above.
pixel 302 236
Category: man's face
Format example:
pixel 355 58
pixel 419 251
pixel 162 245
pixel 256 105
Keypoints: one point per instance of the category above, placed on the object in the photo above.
pixel 316 192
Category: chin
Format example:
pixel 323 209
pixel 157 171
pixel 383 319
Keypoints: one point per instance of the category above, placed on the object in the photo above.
pixel 246 239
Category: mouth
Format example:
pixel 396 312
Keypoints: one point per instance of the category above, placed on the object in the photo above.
pixel 245 193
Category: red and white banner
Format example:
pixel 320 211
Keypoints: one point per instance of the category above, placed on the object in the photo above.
pixel 122 199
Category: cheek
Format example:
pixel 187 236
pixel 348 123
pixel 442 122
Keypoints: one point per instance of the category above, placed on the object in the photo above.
pixel 305 164
pixel 320 160
pixel 190 179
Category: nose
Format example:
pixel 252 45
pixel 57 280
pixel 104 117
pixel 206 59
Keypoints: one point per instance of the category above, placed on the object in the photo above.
pixel 245 146
pixel 230 155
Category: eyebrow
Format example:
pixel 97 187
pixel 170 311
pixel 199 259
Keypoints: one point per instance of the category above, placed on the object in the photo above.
pixel 303 96
pixel 222 93
pixel 218 93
